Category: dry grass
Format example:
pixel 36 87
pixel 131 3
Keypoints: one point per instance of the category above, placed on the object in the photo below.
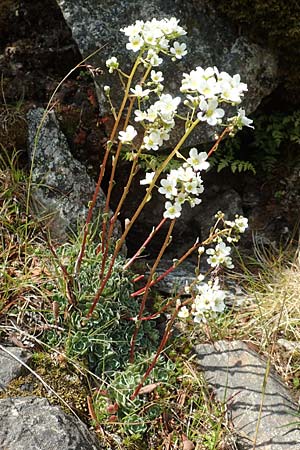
pixel 270 321
pixel 24 276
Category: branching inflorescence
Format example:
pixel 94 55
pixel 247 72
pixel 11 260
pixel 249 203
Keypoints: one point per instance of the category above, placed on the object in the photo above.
pixel 148 115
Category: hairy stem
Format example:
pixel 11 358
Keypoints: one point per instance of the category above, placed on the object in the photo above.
pixel 147 287
pixel 103 166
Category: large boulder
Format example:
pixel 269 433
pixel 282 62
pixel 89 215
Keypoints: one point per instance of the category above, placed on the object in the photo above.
pixel 32 423
pixel 211 42
pixel 61 188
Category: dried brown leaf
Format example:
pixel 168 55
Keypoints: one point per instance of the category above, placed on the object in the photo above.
pixel 149 388
pixel 187 444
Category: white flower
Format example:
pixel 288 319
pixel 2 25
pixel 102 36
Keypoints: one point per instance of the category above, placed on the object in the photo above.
pixel 153 58
pixel 106 89
pixel 153 140
pixel 231 87
pixel 152 35
pixel 163 44
pixel 208 87
pixel 112 64
pixel 191 186
pixel 183 312
pixel 194 201
pixel 128 135
pixel 200 80
pixel 178 50
pixel 164 134
pixel 181 198
pixel 210 111
pixel 133 30
pixel 170 26
pixel 220 255
pixel 219 304
pixel 135 43
pixel 185 174
pixel 210 298
pixel 243 120
pixel 139 92
pixel 148 178
pixel 156 77
pixel 172 210
pixel 152 113
pixel 166 107
pixel 204 302
pixel 168 188
pixel 198 160
pixel 139 115
pixel 190 81
pixel 241 223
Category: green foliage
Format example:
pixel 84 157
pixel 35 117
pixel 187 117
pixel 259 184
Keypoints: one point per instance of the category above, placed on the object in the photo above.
pixel 225 157
pixel 275 137
pixel 135 415
pixel 103 340
pixel 273 134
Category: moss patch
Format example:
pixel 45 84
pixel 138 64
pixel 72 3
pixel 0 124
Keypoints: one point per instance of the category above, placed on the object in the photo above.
pixel 69 384
pixel 276 24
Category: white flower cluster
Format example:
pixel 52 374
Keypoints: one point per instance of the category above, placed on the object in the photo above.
pixel 184 184
pixel 208 300
pixel 153 37
pixel 219 256
pixel 207 88
pixel 160 118
pixel 239 224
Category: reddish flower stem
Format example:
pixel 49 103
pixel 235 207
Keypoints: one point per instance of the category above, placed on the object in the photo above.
pixel 145 296
pixel 145 243
pixel 216 144
pixel 160 348
pixel 163 275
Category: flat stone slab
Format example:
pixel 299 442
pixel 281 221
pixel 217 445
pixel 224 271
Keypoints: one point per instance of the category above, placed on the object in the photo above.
pixel 237 374
pixel 31 423
pixel 10 367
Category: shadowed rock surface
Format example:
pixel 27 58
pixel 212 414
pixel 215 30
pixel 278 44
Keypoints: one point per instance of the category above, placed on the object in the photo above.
pixel 210 39
pixel 237 374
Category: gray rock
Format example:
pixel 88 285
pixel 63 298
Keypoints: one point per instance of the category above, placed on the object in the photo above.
pixel 194 223
pixel 175 281
pixel 211 42
pixel 61 187
pixel 10 367
pixel 33 424
pixel 237 373
pixel 215 199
